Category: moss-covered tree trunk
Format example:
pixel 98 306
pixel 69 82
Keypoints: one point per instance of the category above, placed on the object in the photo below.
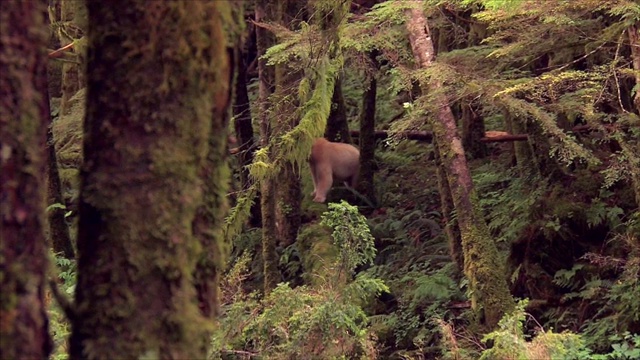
pixel 523 152
pixel 23 127
pixel 634 41
pixel 337 125
pixel 482 265
pixel 209 222
pixel 451 226
pixel 473 130
pixel 286 117
pixel 73 23
pixel 264 12
pixel 54 68
pixel 627 149
pixel 156 78
pixel 58 229
pixel 367 134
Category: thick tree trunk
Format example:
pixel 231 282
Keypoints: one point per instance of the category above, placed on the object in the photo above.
pixel 23 126
pixel 264 11
pixel 367 139
pixel 150 103
pixel 337 125
pixel 58 228
pixel 482 266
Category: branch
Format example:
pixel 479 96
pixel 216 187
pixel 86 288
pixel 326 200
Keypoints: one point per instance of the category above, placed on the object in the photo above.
pixel 490 136
pixel 409 135
pixel 57 53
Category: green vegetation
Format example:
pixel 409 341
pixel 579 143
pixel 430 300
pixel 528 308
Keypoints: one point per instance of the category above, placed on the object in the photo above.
pixel 560 199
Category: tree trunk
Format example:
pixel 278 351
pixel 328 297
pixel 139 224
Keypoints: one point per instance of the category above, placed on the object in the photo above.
pixel 634 41
pixel 286 117
pixel 522 150
pixel 472 130
pixel 264 11
pixel 23 126
pixel 634 162
pixel 209 222
pixel 150 104
pixel 72 77
pixel 482 266
pixel 337 125
pixel 244 131
pixel 367 138
pixel 58 229
pixel 451 226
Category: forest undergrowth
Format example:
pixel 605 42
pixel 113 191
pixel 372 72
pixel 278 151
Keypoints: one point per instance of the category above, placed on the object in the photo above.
pixel 405 298
pixel 363 282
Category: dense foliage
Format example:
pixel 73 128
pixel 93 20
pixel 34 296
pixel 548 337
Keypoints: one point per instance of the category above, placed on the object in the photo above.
pixel 559 80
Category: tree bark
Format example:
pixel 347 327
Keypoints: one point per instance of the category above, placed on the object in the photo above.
pixel 150 104
pixel 523 151
pixel 634 42
pixel 209 222
pixel 264 12
pixel 71 13
pixel 367 139
pixel 482 266
pixel 451 226
pixel 473 130
pixel 286 117
pixel 23 126
pixel 337 125
pixel 243 127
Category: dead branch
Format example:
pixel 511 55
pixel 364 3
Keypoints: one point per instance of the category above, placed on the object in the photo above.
pixel 58 53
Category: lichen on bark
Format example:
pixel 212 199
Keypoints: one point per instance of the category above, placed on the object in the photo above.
pixel 156 68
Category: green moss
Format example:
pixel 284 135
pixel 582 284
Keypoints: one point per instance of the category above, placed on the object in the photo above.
pixel 317 251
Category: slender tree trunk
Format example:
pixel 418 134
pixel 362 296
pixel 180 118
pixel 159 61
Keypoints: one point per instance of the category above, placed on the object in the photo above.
pixel 286 117
pixel 54 69
pixel 451 226
pixel 523 152
pixel 23 126
pixel 634 41
pixel 627 149
pixel 264 11
pixel 367 138
pixel 209 222
pixel 72 79
pixel 244 131
pixel 150 104
pixel 58 228
pixel 337 125
pixel 472 130
pixel 482 266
